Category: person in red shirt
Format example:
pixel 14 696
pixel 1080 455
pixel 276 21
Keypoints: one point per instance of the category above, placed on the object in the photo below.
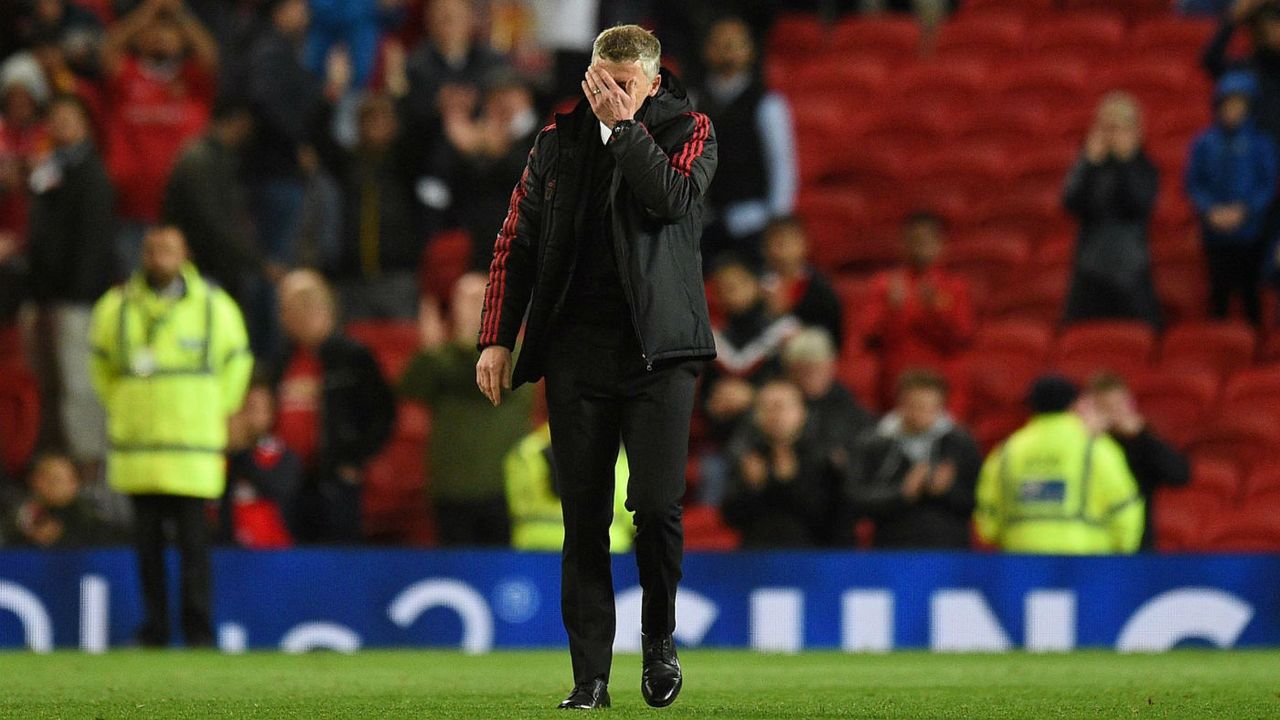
pixel 159 78
pixel 920 316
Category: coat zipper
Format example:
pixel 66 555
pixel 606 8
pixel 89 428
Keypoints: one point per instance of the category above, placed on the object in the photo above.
pixel 623 274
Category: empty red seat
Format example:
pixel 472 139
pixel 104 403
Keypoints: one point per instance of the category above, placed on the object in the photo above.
pixel 1247 442
pixel 1175 403
pixel 1030 85
pixel 19 416
pixel 1221 347
pixel 860 374
pixel 1004 358
pixel 446 257
pixel 1254 391
pixel 1088 34
pixel 1263 484
pixel 1119 346
pixel 394 490
pixel 1171 34
pixel 1180 515
pixel 1038 298
pixel 990 37
pixel 1155 84
pixel 704 529
pixel 856 81
pixel 976 9
pixel 947 84
pixel 891 37
pixel 392 342
pixel 989 259
pixel 797 34
pixel 905 129
pixel 1218 478
pixel 1247 529
pixel 990 428
pixel 1032 212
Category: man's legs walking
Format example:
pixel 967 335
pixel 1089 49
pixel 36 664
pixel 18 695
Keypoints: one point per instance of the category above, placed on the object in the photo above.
pixel 584 439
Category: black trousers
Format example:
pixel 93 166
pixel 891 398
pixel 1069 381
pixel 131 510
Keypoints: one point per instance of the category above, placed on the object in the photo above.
pixel 1235 269
pixel 151 513
pixel 599 391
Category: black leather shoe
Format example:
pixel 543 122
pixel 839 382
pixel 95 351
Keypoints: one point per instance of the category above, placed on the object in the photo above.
pixel 593 696
pixel 661 680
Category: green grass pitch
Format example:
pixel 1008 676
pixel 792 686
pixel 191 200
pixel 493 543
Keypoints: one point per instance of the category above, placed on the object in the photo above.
pixel 718 684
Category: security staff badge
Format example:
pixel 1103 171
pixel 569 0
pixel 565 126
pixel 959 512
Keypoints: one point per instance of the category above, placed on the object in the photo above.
pixel 142 362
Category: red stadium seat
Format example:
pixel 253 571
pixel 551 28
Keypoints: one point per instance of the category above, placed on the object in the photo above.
pixel 19 416
pixel 1028 212
pixel 1051 85
pixel 1175 403
pixel 393 342
pixel 1246 529
pixel 1089 347
pixel 704 529
pixel 1220 347
pixel 1156 84
pixel 1258 383
pixel 1171 34
pixel 985 8
pixel 1183 293
pixel 946 84
pixel 991 37
pixel 987 260
pixel 1263 482
pixel 1180 516
pixel 889 37
pixel 1245 441
pixel 905 129
pixel 1089 35
pixel 1040 299
pixel 1253 393
pixel 1044 169
pixel 1176 127
pixel 860 374
pixel 797 34
pixel 992 428
pixel 1004 358
pixel 849 81
pixel 998 125
pixel 445 258
pixel 1220 479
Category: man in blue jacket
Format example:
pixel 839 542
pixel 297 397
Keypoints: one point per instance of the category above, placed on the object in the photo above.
pixel 1231 179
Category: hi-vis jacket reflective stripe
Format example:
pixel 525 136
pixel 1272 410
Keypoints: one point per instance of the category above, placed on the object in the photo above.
pixel 536 520
pixel 169 372
pixel 1054 488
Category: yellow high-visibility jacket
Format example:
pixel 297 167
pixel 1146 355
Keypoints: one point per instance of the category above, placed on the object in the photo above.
pixel 169 371
pixel 1054 488
pixel 536 519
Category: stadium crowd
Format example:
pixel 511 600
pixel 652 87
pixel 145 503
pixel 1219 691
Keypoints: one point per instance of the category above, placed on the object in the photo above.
pixel 339 170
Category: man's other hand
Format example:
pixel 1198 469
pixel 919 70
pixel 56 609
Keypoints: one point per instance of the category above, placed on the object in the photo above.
pixel 493 372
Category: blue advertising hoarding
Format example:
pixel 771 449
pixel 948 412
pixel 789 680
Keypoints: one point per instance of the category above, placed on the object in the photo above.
pixel 339 599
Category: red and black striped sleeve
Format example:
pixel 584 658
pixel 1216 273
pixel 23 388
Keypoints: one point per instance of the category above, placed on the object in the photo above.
pixel 511 271
pixel 669 186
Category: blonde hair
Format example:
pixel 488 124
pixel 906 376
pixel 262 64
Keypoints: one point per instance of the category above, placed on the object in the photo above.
pixel 809 345
pixel 628 43
pixel 1121 106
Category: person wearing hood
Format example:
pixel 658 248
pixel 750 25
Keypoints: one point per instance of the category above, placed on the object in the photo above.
pixel 598 259
pixel 1057 488
pixel 1262 19
pixel 915 472
pixel 1231 180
